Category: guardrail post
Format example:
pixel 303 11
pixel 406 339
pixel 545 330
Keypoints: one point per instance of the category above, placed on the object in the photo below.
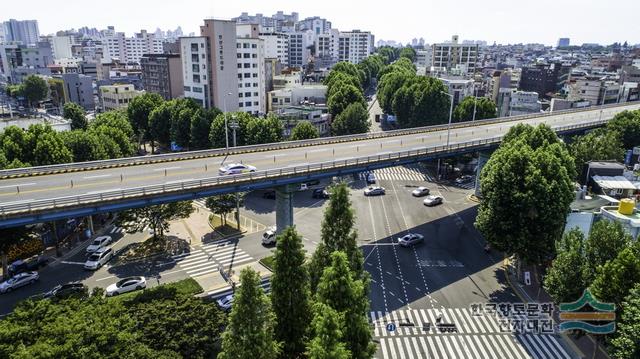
pixel 422 139
pixel 400 143
pixel 305 155
pixel 121 177
pixel 71 183
pixel 18 189
pixel 165 173
pixel 206 168
pixel 380 145
pixel 357 148
pixel 274 159
pixel 334 151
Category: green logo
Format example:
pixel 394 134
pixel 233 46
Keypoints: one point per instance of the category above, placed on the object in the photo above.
pixel 572 318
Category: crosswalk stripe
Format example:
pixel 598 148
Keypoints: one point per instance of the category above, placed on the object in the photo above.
pixel 486 343
pixel 227 259
pixel 408 346
pixel 440 347
pixel 511 343
pixel 416 347
pixel 194 258
pixel 456 350
pixel 498 348
pixel 431 347
pixel 383 344
pixel 204 271
pixel 476 343
pixel 530 350
pixel 541 345
pixel 464 319
pixel 465 347
pixel 554 342
pixel 376 329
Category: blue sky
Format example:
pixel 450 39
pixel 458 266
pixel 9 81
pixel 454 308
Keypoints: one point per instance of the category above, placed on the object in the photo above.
pixel 542 21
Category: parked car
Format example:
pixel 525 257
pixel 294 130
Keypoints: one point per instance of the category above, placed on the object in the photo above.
pixel 225 302
pixel 67 290
pixel 432 200
pixel 410 239
pixel 313 183
pixel 374 191
pixel 98 258
pixel 371 178
pixel 271 194
pixel 98 243
pixel 420 191
pixel 18 280
pixel 125 285
pixel 320 193
pixel 27 265
pixel 269 237
pixel 235 168
pixel 464 179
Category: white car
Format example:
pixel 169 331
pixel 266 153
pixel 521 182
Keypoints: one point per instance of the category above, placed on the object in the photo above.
pixel 420 191
pixel 374 191
pixel 410 239
pixel 432 200
pixel 98 258
pixel 98 243
pixel 269 237
pixel 125 285
pixel 18 281
pixel 235 168
pixel 225 302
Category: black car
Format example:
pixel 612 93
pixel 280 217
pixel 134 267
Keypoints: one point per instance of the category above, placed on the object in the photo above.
pixel 67 290
pixel 28 265
pixel 320 193
pixel 269 195
pixel 313 183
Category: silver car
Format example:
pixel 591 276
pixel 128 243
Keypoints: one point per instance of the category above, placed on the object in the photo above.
pixel 225 302
pixel 374 191
pixel 98 258
pixel 126 285
pixel 420 191
pixel 98 243
pixel 432 201
pixel 410 239
pixel 18 281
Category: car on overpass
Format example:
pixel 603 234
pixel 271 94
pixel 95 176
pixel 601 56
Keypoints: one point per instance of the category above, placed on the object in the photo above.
pixel 374 191
pixel 432 200
pixel 18 281
pixel 235 168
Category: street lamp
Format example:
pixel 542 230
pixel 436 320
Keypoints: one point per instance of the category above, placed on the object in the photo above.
pixel 448 126
pixel 226 129
pixel 475 101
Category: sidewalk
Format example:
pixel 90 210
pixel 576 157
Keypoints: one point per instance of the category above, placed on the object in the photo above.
pixel 584 346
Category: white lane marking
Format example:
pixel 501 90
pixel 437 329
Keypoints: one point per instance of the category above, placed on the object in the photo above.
pixel 318 150
pixel 383 153
pixel 105 278
pixel 391 141
pixel 357 146
pixel 180 180
pixel 276 155
pixel 18 185
pixel 70 262
pixel 103 191
pixel 167 168
pixel 97 176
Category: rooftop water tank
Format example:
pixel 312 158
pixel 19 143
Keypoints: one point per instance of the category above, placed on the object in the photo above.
pixel 627 205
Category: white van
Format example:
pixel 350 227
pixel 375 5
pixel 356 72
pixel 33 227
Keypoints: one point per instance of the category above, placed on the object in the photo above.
pixel 269 237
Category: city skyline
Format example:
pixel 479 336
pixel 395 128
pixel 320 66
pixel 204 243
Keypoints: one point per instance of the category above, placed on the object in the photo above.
pixel 508 25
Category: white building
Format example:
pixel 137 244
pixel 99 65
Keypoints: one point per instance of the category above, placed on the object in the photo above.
pixel 61 46
pixel 451 55
pixel 25 32
pixel 251 70
pixel 459 88
pixel 276 46
pixel 316 25
pixel 354 46
pixel 424 58
pixel 131 49
pixel 327 45
pixel 524 102
pixel 596 90
pixel 296 96
pixel 114 97
pixel 299 43
pixel 195 62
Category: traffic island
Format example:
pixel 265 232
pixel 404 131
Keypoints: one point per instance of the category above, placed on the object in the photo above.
pixel 151 248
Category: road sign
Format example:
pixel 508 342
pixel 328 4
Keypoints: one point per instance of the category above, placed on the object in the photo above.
pixel 527 278
pixel 391 327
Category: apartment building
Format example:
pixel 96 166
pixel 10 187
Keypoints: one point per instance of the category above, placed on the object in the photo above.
pixel 24 32
pixel 451 55
pixel 544 78
pixel 131 49
pixel 316 25
pixel 79 89
pixel 195 64
pixel 354 46
pixel 326 49
pixel 162 74
pixel 524 102
pixel 61 46
pixel 276 46
pixel 113 97
pixel 251 69
pixel 299 44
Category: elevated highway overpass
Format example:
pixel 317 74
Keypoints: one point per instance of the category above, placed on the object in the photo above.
pixel 42 194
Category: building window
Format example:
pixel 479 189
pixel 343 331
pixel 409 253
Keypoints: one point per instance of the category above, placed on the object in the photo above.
pixel 247 75
pixel 254 46
pixel 240 104
pixel 247 94
pixel 247 103
pixel 197 89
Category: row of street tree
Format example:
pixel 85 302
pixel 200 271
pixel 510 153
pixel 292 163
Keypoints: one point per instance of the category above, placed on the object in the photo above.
pixel 317 308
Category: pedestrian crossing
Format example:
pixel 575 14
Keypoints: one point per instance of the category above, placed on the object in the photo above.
pixel 265 284
pixel 212 257
pixel 117 229
pixel 415 335
pixel 399 173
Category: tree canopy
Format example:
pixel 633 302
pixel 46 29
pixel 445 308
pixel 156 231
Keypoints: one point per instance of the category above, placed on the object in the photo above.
pixel 485 108
pixel 155 217
pixel 76 114
pixel 352 120
pixel 304 130
pixel 34 89
pixel 596 146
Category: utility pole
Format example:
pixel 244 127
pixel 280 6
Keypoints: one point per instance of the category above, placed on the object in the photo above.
pixel 234 126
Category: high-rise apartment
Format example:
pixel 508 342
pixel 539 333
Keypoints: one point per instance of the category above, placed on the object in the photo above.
pixel 299 47
pixel 354 46
pixel 24 31
pixel 251 69
pixel 162 74
pixel 131 49
pixel 453 55
pixel 276 46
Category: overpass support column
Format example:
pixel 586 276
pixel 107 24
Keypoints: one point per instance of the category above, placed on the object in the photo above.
pixel 90 223
pixel 284 207
pixel 483 157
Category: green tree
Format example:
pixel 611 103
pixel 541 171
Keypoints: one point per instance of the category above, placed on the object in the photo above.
pixel 75 113
pixel 35 89
pixel 114 119
pixel 596 146
pixel 346 68
pixel 15 144
pixel 484 108
pixel 138 112
pixel 347 296
pixel 50 150
pixel 389 84
pixel 222 204
pixel 336 78
pixel 155 217
pixel 606 239
pixel 616 278
pixel 627 125
pixel 304 130
pixel 116 142
pixel 160 124
pixel 263 130
pixel 84 145
pixel 626 345
pixel 409 53
pixel 290 294
pixel 352 120
pixel 517 214
pixel 344 95
pixel 250 331
pixel 326 328
pixel 338 234
pixel 565 279
pixel 9 238
pixel 200 126
pixel 180 131
pixel 422 101
pixel 217 133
